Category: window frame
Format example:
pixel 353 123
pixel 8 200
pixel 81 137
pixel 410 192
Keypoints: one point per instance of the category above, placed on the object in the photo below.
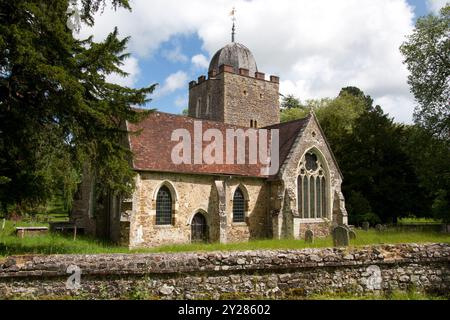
pixel 243 204
pixel 307 182
pixel 162 221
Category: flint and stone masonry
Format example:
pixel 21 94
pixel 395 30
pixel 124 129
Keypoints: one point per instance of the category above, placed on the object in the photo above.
pixel 235 99
pixel 215 275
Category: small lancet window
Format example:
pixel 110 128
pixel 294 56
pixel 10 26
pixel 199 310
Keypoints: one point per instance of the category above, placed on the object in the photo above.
pixel 164 207
pixel 238 206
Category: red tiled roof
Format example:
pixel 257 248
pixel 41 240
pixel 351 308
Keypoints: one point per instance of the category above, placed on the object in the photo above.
pixel 289 131
pixel 152 146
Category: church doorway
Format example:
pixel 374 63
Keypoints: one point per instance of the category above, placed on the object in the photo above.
pixel 199 229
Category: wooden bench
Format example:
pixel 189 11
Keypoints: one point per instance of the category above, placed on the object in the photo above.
pixel 66 228
pixel 30 231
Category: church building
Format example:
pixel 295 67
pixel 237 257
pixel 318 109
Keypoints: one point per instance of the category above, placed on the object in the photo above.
pixel 184 203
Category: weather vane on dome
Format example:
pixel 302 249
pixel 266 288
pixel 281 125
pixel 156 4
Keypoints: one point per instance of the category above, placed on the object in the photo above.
pixel 233 15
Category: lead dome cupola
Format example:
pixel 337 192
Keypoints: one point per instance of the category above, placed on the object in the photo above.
pixel 235 55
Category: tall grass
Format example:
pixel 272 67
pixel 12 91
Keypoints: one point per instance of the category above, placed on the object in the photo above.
pixel 59 244
pixel 10 244
pixel 363 238
pixel 418 221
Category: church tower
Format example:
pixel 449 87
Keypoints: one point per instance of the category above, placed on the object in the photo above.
pixel 235 92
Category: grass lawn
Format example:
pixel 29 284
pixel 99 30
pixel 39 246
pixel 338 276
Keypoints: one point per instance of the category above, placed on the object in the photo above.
pixel 58 244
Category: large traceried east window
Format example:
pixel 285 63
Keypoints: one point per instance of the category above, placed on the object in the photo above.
pixel 312 188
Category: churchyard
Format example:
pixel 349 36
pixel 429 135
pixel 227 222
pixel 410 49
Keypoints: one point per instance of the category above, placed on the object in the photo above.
pixel 55 243
pixel 47 245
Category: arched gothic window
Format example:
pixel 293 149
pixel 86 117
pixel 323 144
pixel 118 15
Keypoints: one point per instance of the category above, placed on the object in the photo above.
pixel 238 206
pixel 312 188
pixel 164 207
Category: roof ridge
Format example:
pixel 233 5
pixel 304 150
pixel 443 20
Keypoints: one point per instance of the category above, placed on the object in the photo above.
pixel 288 122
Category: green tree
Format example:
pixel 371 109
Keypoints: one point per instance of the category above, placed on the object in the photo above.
pixel 290 102
pixel 360 210
pixel 57 110
pixel 337 117
pixel 430 157
pixel 293 114
pixel 375 165
pixel 427 57
pixel 441 206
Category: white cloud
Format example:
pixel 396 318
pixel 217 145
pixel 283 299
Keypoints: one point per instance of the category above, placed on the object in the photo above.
pixel 130 66
pixel 435 6
pixel 172 83
pixel 316 47
pixel 175 54
pixel 181 102
pixel 200 61
pixel 393 105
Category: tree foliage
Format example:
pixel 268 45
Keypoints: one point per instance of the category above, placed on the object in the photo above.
pixel 290 102
pixel 390 170
pixel 375 165
pixel 427 57
pixel 430 157
pixel 57 110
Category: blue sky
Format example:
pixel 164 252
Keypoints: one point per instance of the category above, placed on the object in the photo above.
pixel 172 42
pixel 420 7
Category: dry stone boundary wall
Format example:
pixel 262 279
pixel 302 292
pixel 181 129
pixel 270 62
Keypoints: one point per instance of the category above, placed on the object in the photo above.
pixel 215 275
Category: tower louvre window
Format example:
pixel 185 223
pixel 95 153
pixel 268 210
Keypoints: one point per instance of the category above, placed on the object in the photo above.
pixel 198 109
pixel 208 105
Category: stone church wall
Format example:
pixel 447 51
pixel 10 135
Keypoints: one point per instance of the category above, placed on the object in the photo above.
pixel 192 194
pixel 312 139
pixel 248 98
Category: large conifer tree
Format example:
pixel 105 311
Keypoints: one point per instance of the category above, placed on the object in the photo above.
pixel 57 110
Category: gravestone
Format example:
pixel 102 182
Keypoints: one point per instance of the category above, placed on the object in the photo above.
pixel 352 235
pixel 380 228
pixel 446 228
pixel 341 236
pixel 309 236
pixel 366 226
